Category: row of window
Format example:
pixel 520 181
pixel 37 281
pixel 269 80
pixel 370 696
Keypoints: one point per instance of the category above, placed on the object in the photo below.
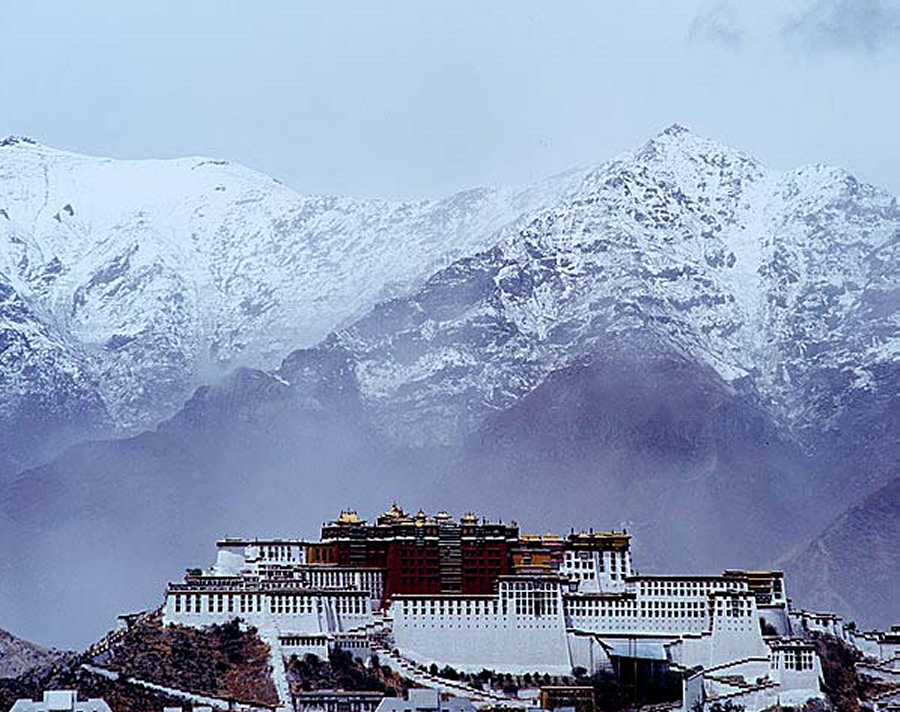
pixel 277 552
pixel 793 659
pixel 523 603
pixel 535 605
pixel 512 586
pixel 684 588
pixel 450 607
pixel 486 626
pixel 254 603
pixel 304 640
pixel 307 604
pixel 629 607
pixel 217 603
pixel 344 579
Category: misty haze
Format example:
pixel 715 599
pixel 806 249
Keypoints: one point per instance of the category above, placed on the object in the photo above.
pixel 506 357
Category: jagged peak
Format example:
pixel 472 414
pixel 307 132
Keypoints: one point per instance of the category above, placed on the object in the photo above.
pixel 13 140
pixel 677 147
pixel 684 139
pixel 675 129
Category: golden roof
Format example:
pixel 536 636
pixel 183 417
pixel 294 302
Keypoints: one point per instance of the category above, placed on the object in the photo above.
pixel 395 512
pixel 349 516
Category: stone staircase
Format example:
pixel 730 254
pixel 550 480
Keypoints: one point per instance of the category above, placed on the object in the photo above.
pixel 105 644
pixel 195 698
pixel 882 671
pixel 378 628
pixel 269 635
pixel 420 676
pixel 379 633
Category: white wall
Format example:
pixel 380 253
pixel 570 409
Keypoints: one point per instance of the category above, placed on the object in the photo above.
pixel 301 612
pixel 587 652
pixel 519 630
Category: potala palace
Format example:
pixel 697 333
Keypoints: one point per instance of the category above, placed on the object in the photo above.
pixel 473 595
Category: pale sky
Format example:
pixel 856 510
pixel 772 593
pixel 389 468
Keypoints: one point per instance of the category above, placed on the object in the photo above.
pixel 408 99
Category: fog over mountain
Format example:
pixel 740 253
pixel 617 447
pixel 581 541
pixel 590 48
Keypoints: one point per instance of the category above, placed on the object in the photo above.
pixel 679 341
pixel 126 284
pixel 862 544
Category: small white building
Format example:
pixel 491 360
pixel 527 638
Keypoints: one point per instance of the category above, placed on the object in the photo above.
pixel 815 622
pixel 337 701
pixel 882 646
pixel 419 700
pixel 60 701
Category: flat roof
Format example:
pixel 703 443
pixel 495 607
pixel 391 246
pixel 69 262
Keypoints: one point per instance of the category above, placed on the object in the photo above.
pixel 239 541
pixel 340 694
pixel 677 577
pixel 188 588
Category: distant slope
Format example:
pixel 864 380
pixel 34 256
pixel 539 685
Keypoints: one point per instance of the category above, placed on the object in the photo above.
pixel 18 656
pixel 220 661
pixel 643 438
pixel 250 456
pixel 48 393
pixel 126 284
pixel 852 566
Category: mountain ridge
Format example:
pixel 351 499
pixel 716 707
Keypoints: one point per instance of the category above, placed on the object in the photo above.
pixel 530 281
pixel 18 656
pixel 684 342
pixel 160 275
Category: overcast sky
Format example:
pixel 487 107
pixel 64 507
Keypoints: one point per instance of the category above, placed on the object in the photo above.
pixel 413 99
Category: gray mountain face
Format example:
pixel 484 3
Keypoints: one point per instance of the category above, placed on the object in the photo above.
pixel 640 437
pixel 784 286
pixel 138 281
pixel 683 342
pixel 851 567
pixel 48 387
pixel 18 656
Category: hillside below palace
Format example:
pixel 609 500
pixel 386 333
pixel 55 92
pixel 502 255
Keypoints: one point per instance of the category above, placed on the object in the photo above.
pixel 419 590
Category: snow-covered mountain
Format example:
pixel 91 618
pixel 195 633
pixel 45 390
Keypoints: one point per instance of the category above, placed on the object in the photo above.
pixel 785 283
pixel 680 341
pixel 126 284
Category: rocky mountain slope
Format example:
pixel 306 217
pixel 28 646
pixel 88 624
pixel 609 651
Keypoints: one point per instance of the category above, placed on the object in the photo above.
pixel 685 343
pixel 126 284
pixel 18 656
pixel 783 284
pixel 851 567
pixel 221 661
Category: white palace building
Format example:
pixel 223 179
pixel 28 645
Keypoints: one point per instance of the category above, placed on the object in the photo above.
pixel 474 595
